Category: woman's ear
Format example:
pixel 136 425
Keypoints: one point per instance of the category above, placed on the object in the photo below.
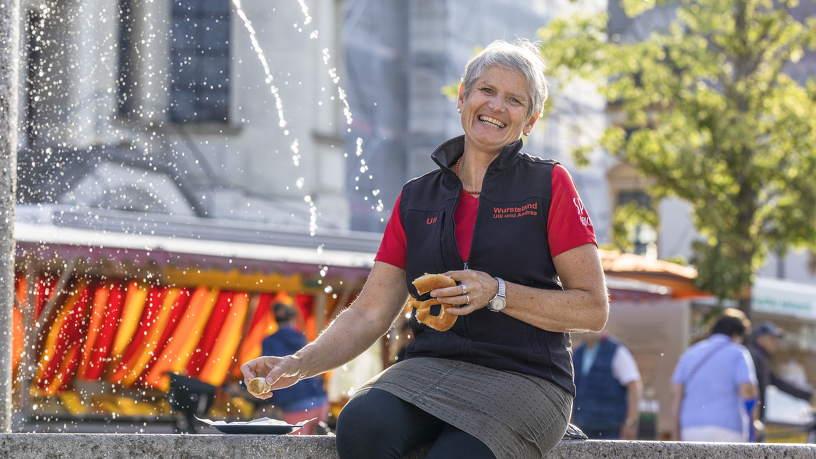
pixel 529 126
pixel 461 99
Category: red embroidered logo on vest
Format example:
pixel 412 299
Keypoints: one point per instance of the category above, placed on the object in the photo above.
pixel 430 220
pixel 514 212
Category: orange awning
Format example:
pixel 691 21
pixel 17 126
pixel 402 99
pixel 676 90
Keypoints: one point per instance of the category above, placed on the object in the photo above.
pixel 680 279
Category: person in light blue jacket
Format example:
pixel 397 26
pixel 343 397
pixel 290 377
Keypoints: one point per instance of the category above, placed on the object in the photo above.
pixel 715 387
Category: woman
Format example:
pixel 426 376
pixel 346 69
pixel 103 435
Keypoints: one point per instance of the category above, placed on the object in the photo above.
pixel 305 400
pixel 506 227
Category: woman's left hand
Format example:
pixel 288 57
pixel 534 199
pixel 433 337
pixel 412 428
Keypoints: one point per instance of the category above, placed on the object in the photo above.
pixel 475 290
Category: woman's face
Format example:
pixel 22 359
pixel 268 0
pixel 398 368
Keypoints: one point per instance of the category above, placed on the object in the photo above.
pixel 495 112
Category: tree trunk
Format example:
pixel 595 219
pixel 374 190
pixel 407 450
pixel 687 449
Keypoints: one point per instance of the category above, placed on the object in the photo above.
pixel 745 305
pixel 9 61
pixel 744 302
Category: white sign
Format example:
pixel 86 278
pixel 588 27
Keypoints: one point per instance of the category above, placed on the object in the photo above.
pixel 785 298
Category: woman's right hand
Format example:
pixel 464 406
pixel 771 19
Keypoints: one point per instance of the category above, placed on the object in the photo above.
pixel 279 372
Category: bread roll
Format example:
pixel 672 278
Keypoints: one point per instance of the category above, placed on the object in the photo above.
pixel 444 321
pixel 428 282
pixel 258 386
pixel 411 304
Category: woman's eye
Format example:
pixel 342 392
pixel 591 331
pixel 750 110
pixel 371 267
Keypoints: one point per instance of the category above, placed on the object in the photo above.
pixel 487 90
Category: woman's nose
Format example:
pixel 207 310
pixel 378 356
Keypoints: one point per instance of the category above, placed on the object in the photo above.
pixel 496 103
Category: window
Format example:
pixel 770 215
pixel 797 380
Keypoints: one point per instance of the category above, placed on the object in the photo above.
pixel 35 42
pixel 126 80
pixel 639 196
pixel 628 200
pixel 643 236
pixel 199 53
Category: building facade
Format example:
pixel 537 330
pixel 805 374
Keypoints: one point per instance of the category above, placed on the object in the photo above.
pixel 403 54
pixel 187 108
pixel 297 114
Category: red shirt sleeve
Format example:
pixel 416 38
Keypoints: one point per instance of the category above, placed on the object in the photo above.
pixel 568 224
pixel 393 247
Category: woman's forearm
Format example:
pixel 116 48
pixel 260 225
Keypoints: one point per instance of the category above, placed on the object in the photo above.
pixel 348 336
pixel 582 306
pixel 567 311
pixel 358 327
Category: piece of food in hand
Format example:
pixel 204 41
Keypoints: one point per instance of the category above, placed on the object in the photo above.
pixel 428 282
pixel 411 304
pixel 258 386
pixel 444 321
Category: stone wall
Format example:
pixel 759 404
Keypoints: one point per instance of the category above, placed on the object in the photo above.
pixel 123 446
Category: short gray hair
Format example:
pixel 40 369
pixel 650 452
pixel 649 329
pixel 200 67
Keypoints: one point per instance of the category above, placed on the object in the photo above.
pixel 521 56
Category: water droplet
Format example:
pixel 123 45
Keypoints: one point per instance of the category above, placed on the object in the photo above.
pixel 359 146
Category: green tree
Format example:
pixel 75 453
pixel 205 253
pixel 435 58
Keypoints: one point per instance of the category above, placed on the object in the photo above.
pixel 708 108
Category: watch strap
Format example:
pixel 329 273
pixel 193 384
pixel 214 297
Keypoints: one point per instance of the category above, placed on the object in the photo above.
pixel 502 288
pixel 497 303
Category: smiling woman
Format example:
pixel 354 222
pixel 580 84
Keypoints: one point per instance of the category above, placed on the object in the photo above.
pixel 503 225
pixel 494 114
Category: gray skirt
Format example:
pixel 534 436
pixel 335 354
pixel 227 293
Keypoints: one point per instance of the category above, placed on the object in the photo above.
pixel 515 415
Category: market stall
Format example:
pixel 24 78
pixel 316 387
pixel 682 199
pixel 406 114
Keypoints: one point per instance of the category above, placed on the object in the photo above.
pixel 109 316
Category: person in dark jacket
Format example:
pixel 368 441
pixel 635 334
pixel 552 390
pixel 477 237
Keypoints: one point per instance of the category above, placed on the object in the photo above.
pixel 306 399
pixel 512 233
pixel 763 343
pixel 607 389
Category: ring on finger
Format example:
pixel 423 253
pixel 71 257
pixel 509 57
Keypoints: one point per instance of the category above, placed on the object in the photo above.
pixel 464 289
pixel 468 299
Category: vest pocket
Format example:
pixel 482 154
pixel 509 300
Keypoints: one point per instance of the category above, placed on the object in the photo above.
pixel 424 233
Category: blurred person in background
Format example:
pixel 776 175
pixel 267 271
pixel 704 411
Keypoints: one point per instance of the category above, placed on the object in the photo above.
pixel 607 389
pixel 306 399
pixel 714 387
pixel 499 382
pixel 763 344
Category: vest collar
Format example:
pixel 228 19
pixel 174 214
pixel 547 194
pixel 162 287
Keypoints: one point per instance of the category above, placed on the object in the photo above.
pixel 447 154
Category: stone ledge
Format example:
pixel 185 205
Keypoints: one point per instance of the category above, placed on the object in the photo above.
pixel 125 446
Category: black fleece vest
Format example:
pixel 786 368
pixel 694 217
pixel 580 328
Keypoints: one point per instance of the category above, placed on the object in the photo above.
pixel 509 241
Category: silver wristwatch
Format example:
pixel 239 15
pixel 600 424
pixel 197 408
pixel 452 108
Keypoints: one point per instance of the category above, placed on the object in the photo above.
pixel 498 302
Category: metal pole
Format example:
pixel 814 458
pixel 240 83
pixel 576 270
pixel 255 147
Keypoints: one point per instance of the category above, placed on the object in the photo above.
pixel 9 62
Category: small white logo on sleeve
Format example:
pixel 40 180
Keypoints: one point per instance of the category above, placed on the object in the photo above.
pixel 585 220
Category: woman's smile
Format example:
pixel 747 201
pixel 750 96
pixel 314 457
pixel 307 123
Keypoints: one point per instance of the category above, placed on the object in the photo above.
pixel 491 121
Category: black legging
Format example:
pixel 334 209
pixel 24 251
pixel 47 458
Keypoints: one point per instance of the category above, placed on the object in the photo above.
pixel 376 424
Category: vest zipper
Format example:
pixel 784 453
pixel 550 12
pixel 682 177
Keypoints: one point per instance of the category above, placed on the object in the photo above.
pixel 453 220
pixel 465 319
pixel 476 221
pixel 470 257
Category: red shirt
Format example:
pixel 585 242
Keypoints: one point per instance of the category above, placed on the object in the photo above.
pixel 568 224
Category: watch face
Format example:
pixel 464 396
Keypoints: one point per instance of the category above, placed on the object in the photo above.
pixel 496 304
